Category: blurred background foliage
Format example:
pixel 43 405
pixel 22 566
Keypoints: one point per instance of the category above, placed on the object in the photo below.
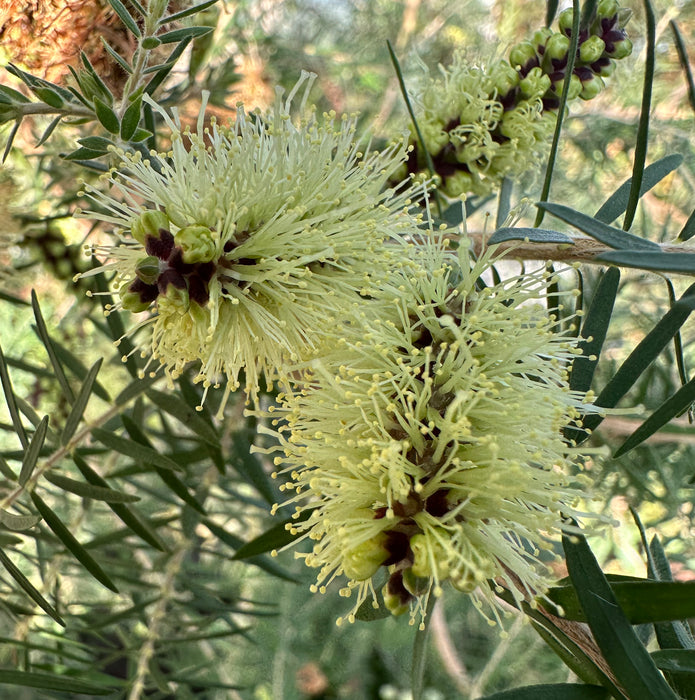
pixel 189 621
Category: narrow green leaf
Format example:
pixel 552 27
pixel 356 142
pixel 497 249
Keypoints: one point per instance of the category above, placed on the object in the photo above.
pixel 135 388
pixel 31 456
pixel 274 538
pixel 100 84
pixel 50 97
pixel 29 589
pixel 642 356
pixel 620 646
pixel 644 601
pixel 10 138
pixel 18 523
pixel 550 11
pixel 413 118
pixel 183 33
pixel 131 119
pixel 45 338
pixel 116 56
pixel 420 649
pixel 616 204
pixel 688 230
pixel 683 263
pixel 684 61
pixel 158 78
pixel 135 450
pixel 54 683
pixel 610 236
pixel 106 116
pixel 247 465
pixel 96 143
pixel 179 409
pixel 594 330
pixel 78 408
pixel 556 691
pixel 125 17
pixel 11 402
pixel 669 409
pixel 561 111
pixel 166 475
pixel 71 362
pixel 679 660
pixel 97 493
pixel 187 12
pixel 71 543
pixel 643 128
pixel 533 235
pixel 81 154
pixel 13 95
pixel 261 561
pixel 49 130
pixel 129 516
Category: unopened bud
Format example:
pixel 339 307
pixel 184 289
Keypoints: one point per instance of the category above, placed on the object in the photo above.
pixel 433 136
pixel 363 561
pixel 522 54
pixel 147 269
pixel 148 224
pixel 505 78
pixel 624 15
pixel 619 49
pixel 131 301
pixel 575 87
pixel 604 67
pixel 556 49
pixel 565 20
pixel 592 49
pixel 196 243
pixel 535 84
pixel 540 38
pixel 591 87
pixel 430 559
pixel 607 9
pixel 414 584
pixel 396 597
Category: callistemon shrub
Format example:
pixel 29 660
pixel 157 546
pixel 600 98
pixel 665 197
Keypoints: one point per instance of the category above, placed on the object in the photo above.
pixel 243 241
pixel 427 446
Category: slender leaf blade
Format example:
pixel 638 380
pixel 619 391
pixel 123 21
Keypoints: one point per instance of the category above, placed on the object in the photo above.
pixel 125 17
pixel 610 236
pixel 97 493
pixel 52 682
pixel 554 691
pixel 11 402
pixel 25 584
pixel 532 235
pixel 78 408
pixel 135 450
pixel 31 456
pixel 622 649
pixel 71 543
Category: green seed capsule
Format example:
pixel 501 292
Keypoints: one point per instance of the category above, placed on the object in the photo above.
pixel 592 49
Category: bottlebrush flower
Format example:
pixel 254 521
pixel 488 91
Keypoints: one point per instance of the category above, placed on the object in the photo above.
pixel 427 446
pixel 245 241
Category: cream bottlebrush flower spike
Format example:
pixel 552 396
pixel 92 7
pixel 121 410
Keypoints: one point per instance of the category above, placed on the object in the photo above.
pixel 480 124
pixel 428 445
pixel 247 240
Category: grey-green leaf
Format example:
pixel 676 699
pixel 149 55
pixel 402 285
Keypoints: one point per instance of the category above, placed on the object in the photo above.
pixel 97 493
pixel 18 523
pixel 610 236
pixel 657 260
pixel 78 408
pixel 31 456
pixel 533 235
pixel 71 543
pixel 106 116
pixel 29 588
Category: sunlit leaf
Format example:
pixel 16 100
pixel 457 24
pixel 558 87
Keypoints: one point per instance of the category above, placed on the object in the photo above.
pixel 533 235
pixel 31 455
pixel 78 408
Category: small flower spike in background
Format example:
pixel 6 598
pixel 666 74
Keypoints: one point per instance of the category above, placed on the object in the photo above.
pixel 246 240
pixel 429 445
pixel 480 123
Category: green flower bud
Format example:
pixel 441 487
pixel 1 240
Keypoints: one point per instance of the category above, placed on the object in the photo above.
pixel 556 48
pixel 592 49
pixel 565 20
pixel 535 84
pixel 605 69
pixel 466 582
pixel 522 53
pixel 395 603
pixel 414 584
pixel 621 49
pixel 363 561
pixel 429 556
pixel 197 244
pixel 505 78
pixel 591 87
pixel 575 87
pixel 540 37
pixel 147 269
pixel 606 9
pixel 131 301
pixel 458 183
pixel 148 223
